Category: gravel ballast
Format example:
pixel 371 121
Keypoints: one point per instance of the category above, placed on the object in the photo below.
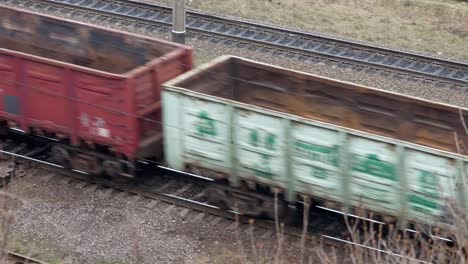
pixel 207 50
pixel 95 225
pixel 74 224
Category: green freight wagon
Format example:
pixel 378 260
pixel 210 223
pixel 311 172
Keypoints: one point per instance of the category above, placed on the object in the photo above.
pixel 261 129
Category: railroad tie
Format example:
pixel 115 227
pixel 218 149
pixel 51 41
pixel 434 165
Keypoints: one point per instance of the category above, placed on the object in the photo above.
pixel 134 198
pixel 184 212
pixel 166 185
pixel 183 189
pixel 92 188
pixel 48 177
pixel 107 192
pixel 65 180
pixel 80 185
pixel 121 195
pixel 198 217
pixel 152 204
pixel 216 221
pixel 198 195
pixel 169 208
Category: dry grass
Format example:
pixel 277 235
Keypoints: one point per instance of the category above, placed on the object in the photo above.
pixel 370 242
pixel 372 245
pixel 427 26
pixel 406 247
pixel 9 238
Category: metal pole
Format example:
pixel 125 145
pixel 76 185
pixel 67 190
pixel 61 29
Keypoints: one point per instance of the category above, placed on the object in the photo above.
pixel 178 21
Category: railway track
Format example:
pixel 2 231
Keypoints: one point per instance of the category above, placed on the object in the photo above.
pixel 178 193
pixel 17 258
pixel 278 41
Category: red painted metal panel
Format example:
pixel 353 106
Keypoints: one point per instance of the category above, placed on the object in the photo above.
pixel 83 82
pixel 132 107
pixel 8 87
pixel 45 97
pixel 99 104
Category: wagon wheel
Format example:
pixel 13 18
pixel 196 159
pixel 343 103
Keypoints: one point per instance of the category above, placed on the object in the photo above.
pixel 217 198
pixel 61 156
pixel 249 207
pixel 283 211
pixel 3 131
pixel 95 167
pixel 112 168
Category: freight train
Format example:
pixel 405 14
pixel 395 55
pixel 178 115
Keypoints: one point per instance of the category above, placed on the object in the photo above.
pixel 264 134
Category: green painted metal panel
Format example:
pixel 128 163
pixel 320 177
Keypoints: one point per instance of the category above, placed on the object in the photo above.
pixel 314 159
pixel 344 166
pixel 463 183
pixel 261 146
pixel 326 161
pixel 234 177
pixel 373 167
pixel 403 187
pixel 206 136
pixel 431 184
pixel 172 128
pixel 289 149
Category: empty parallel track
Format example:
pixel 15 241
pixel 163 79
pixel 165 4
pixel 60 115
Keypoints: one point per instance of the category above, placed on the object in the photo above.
pixel 306 47
pixel 17 258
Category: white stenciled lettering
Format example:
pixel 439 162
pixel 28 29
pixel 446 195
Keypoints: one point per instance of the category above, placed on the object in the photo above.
pixel 103 132
pixel 99 122
pixel 96 125
pixel 84 119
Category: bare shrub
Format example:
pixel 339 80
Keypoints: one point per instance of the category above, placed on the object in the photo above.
pixel 7 214
pixel 369 242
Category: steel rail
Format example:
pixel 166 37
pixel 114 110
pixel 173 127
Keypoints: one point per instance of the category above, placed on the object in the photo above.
pixel 155 194
pixel 301 45
pixel 22 259
pixel 20 156
pixel 216 211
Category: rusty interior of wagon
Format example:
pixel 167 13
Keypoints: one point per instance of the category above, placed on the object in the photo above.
pixel 74 43
pixel 348 105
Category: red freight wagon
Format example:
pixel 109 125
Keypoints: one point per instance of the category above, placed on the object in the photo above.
pixel 96 90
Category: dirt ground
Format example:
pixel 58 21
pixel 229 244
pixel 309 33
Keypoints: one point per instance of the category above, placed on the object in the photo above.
pixel 435 27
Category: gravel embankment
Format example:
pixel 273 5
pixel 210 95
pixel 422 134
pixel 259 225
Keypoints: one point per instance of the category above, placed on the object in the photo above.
pixel 206 50
pixel 66 222
pixel 394 24
pixel 93 226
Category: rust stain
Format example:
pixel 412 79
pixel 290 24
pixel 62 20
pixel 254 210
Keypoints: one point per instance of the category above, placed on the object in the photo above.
pixel 73 43
pixel 348 105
